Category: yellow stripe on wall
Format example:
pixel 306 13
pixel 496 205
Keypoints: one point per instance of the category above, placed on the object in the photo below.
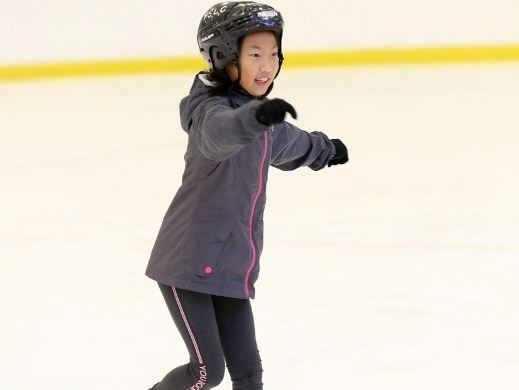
pixel 440 55
pixel 100 68
pixel 405 56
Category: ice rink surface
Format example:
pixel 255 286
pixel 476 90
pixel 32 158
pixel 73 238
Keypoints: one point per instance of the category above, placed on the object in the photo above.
pixel 397 271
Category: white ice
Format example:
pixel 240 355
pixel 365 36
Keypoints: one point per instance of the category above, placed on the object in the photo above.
pixel 397 271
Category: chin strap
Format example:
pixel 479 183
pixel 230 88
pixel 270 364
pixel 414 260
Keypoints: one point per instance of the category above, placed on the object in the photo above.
pixel 281 58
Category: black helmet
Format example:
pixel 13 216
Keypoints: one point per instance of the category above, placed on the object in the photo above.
pixel 225 23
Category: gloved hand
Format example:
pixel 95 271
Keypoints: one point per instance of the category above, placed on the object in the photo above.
pixel 341 153
pixel 273 111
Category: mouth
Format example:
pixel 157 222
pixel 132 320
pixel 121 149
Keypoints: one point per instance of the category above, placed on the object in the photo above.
pixel 262 82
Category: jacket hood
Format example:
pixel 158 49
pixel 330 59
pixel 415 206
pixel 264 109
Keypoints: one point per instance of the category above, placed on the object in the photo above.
pixel 198 93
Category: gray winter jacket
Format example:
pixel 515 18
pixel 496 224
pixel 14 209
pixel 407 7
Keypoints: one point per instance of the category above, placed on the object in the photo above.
pixel 211 237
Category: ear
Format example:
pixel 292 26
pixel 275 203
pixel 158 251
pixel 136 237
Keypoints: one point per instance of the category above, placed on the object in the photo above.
pixel 232 71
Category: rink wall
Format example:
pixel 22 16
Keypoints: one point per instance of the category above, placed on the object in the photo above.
pixel 49 38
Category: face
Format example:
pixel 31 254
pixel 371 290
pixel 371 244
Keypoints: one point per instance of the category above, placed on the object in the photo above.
pixel 258 61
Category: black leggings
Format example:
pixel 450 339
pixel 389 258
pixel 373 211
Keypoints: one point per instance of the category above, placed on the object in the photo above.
pixel 215 330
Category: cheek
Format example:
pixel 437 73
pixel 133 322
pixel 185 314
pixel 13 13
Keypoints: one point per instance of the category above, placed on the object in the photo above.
pixel 249 73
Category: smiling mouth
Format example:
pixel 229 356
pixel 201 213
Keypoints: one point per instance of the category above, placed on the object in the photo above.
pixel 262 80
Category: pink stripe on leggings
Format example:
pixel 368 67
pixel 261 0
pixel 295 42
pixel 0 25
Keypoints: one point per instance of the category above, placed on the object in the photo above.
pixel 188 327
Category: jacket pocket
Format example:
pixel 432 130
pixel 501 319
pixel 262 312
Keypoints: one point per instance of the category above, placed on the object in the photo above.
pixel 209 262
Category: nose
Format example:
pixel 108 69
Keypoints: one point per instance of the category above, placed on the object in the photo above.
pixel 266 66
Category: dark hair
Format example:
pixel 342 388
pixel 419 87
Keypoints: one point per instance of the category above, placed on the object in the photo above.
pixel 221 80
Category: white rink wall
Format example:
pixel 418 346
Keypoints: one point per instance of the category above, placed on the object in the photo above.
pixel 58 31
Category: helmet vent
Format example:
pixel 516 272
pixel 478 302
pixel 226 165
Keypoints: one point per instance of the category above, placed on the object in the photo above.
pixel 237 23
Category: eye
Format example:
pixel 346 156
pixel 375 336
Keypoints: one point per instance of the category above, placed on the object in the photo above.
pixel 276 54
pixel 256 55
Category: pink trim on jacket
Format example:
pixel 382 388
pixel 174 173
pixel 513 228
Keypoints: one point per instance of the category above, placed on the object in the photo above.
pixel 251 219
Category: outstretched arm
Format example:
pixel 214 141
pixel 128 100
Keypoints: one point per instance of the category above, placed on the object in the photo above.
pixel 224 131
pixel 293 148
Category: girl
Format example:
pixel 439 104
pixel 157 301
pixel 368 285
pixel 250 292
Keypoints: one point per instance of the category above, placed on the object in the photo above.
pixel 206 256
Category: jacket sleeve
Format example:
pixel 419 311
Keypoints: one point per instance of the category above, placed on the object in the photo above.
pixel 293 148
pixel 224 130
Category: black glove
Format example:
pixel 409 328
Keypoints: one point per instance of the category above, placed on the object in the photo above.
pixel 273 111
pixel 341 153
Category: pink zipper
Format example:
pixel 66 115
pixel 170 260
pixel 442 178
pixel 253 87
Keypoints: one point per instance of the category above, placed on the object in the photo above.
pixel 260 188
